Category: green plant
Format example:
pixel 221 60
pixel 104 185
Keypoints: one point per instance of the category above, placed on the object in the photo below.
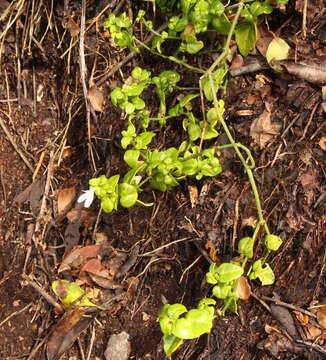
pixel 165 168
pixel 178 324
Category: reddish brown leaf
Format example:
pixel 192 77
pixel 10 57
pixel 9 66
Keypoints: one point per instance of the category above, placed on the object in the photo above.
pixel 78 256
pixel 65 199
pixel 96 98
pixel 99 274
pixel 65 333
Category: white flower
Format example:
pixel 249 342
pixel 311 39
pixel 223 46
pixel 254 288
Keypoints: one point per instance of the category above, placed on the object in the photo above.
pixel 87 197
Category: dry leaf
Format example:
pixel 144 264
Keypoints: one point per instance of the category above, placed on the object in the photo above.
pixel 65 199
pixel 96 98
pixel 313 72
pixel 65 333
pixel 32 193
pixel 312 332
pixel 243 289
pixel 237 62
pixel 322 143
pixel 193 195
pixel 309 179
pixel 73 27
pixel 262 130
pixel 321 316
pixel 302 318
pixel 284 317
pixel 99 274
pixel 78 256
pixel 72 235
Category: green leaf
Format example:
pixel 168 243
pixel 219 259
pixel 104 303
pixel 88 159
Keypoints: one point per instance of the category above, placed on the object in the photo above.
pixel 174 311
pixel 170 344
pixel 273 242
pixel 141 75
pixel 131 157
pixel 194 132
pixel 128 195
pixel 264 273
pixel 138 103
pixel 71 294
pixel 187 99
pixel 228 272
pixel 221 24
pixel 258 8
pixel 196 323
pixel 246 247
pixel 143 139
pixel 245 36
pixel 129 107
pixel 222 291
pixel 118 96
pixel 278 49
pixel 212 276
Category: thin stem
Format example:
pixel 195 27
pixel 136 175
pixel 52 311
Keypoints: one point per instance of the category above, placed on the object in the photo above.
pixel 228 41
pixel 238 152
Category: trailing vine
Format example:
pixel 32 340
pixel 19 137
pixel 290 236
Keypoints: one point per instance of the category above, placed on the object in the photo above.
pixel 166 168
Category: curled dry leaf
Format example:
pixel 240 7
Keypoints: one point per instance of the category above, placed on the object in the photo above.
pixel 65 199
pixel 78 256
pixel 96 98
pixel 243 289
pixel 262 130
pixel 99 274
pixel 313 72
pixel 65 332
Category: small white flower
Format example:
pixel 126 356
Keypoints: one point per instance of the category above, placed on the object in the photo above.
pixel 87 197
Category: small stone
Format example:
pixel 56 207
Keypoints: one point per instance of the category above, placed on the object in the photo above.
pixel 118 347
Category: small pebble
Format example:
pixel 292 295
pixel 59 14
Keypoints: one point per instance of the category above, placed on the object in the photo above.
pixel 118 347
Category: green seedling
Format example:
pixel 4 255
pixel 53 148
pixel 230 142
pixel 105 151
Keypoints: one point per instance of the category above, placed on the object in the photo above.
pixel 119 28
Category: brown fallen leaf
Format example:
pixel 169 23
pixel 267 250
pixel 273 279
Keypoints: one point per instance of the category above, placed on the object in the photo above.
pixel 321 316
pixel 284 317
pixel 73 27
pixel 66 198
pixel 78 256
pixel 72 235
pixel 237 62
pixel 32 194
pixel 96 98
pixel 312 332
pixel 243 289
pixel 99 274
pixel 262 130
pixel 310 71
pixel 65 332
pixel 309 179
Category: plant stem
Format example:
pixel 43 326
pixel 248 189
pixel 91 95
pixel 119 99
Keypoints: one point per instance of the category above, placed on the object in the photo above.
pixel 224 53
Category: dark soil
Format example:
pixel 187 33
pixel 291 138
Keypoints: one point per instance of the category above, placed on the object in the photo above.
pixel 47 108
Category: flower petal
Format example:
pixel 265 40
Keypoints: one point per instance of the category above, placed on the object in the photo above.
pixel 82 197
pixel 89 199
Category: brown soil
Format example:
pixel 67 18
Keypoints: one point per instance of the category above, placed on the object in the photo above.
pixel 290 172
